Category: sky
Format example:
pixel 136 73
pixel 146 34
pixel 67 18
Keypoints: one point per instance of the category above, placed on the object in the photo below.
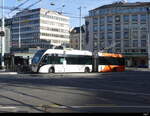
pixel 70 7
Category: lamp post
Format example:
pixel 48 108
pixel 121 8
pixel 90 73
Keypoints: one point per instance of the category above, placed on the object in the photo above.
pixel 148 35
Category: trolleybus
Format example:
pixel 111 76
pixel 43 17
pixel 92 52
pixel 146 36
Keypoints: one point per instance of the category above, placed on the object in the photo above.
pixel 57 60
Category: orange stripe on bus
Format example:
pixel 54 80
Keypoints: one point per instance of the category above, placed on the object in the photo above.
pixel 111 68
pixel 112 55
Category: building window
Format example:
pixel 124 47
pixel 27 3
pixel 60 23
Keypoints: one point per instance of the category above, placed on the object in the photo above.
pixel 109 35
pixel 102 21
pixel 109 19
pixel 126 18
pixel 118 43
pixel 143 43
pixel 109 42
pixel 117 35
pixel 109 27
pixel 143 18
pixel 143 35
pixel 95 28
pixel 126 35
pixel 135 43
pixel 102 45
pixel 95 44
pixel 117 18
pixel 135 34
pixel 125 27
pixel 102 28
pixel 102 36
pixel 117 27
pixel 95 35
pixel 126 43
pixel 134 18
pixel 95 21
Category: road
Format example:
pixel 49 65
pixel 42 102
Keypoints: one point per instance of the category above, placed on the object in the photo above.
pixel 76 92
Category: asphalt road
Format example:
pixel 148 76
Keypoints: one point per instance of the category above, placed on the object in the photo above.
pixel 76 92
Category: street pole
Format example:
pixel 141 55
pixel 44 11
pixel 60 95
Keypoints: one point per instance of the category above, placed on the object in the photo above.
pixel 3 37
pixel 148 36
pixel 80 29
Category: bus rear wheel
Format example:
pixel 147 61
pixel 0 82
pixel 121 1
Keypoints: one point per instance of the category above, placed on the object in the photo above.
pixel 87 70
pixel 51 70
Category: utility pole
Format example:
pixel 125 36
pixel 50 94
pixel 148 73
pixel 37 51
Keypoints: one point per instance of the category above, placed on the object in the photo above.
pixel 3 37
pixel 80 29
pixel 19 34
pixel 148 35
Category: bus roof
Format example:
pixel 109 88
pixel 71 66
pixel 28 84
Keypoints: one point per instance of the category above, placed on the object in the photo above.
pixel 72 52
pixel 110 54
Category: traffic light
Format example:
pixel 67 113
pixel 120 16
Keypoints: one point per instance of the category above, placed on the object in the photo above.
pixel 2 33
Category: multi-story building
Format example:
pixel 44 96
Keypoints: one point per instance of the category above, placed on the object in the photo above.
pixel 75 37
pixel 39 28
pixel 120 27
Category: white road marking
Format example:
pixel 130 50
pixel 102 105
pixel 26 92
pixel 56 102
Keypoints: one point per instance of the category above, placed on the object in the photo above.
pixel 7 107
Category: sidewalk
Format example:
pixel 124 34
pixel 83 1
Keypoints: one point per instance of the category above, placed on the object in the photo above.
pixel 137 69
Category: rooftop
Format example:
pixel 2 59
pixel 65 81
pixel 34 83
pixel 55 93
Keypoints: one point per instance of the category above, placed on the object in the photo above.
pixel 124 4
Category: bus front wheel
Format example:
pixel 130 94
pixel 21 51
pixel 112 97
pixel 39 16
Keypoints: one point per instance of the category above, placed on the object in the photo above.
pixel 87 70
pixel 51 70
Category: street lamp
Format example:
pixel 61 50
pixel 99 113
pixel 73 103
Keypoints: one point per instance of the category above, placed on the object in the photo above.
pixel 148 35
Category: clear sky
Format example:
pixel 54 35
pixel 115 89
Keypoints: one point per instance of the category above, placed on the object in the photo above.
pixel 70 9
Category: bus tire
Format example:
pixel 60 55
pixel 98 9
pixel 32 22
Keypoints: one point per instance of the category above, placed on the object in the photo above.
pixel 51 70
pixel 87 70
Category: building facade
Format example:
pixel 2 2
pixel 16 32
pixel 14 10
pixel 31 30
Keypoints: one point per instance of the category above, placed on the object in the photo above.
pixel 75 37
pixel 120 27
pixel 39 28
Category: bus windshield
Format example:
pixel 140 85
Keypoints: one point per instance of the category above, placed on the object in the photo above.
pixel 37 56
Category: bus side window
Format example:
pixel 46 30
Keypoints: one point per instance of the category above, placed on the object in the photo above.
pixel 62 60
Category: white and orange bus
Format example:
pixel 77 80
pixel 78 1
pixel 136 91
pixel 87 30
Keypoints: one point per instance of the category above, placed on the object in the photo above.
pixel 56 60
pixel 110 62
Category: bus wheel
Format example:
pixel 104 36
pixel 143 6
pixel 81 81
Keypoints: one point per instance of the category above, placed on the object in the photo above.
pixel 87 70
pixel 51 70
